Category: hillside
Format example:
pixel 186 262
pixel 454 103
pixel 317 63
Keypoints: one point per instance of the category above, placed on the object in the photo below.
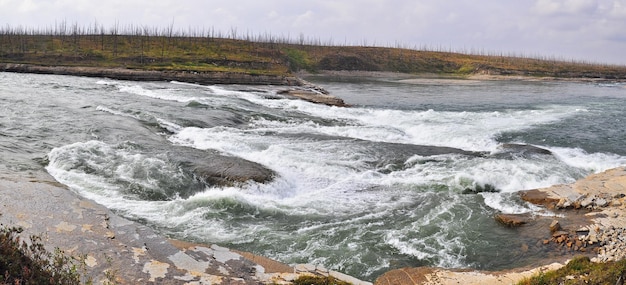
pixel 162 52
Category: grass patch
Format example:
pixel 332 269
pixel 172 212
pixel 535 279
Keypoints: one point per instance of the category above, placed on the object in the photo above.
pixel 151 48
pixel 23 262
pixel 318 280
pixel 581 270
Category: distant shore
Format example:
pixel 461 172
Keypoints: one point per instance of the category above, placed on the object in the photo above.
pixel 425 77
pixel 298 88
pixel 205 78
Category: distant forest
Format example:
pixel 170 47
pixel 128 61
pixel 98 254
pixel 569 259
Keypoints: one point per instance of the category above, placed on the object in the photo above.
pixel 208 50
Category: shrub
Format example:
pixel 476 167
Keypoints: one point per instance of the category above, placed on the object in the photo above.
pixel 24 262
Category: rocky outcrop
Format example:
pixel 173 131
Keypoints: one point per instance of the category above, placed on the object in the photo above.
pixel 314 97
pixel 589 219
pixel 602 199
pixel 226 170
pixel 215 169
pixel 113 250
pixel 512 220
pixel 440 276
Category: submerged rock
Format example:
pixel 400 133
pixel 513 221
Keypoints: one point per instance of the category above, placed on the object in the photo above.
pixel 481 189
pixel 226 170
pixel 314 97
pixel 511 150
pixel 513 220
pixel 215 169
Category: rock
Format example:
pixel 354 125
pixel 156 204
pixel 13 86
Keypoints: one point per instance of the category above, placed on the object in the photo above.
pixel 560 233
pixel 579 243
pixel 513 220
pixel 582 231
pixel 314 97
pixel 226 171
pixel 538 197
pixel 601 202
pixel 588 201
pixel 564 203
pixel 524 149
pixel 555 226
pixel 219 170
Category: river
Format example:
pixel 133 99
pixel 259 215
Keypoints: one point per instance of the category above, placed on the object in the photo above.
pixel 410 175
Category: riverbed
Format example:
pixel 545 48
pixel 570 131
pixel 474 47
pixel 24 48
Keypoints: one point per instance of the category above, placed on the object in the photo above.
pixel 410 175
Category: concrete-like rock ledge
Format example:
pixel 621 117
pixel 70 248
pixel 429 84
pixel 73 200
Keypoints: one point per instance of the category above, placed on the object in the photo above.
pixel 118 251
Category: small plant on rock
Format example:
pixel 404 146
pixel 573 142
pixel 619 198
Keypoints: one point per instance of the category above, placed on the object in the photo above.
pixel 24 262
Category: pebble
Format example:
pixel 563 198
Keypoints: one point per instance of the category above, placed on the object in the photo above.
pixel 591 202
pixel 610 241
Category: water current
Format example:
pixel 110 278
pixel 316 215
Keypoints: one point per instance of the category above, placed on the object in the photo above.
pixel 395 180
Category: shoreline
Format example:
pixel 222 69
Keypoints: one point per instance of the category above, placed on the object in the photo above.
pixel 213 250
pixel 589 219
pixel 296 87
pixel 479 76
pixel 110 249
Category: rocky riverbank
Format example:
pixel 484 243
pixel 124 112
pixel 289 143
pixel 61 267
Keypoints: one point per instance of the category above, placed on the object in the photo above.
pixel 589 218
pixel 114 250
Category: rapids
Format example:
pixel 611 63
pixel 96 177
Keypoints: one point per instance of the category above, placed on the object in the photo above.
pixel 395 180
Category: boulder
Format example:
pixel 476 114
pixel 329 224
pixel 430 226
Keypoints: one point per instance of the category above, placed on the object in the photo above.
pixel 221 170
pixel 555 226
pixel 513 220
pixel 539 197
pixel 215 169
pixel 314 97
pixel 511 150
pixel 525 149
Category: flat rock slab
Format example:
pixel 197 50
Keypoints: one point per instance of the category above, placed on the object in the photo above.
pixel 120 251
pixel 440 276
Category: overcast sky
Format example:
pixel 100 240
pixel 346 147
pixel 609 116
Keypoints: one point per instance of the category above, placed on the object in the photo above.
pixel 591 30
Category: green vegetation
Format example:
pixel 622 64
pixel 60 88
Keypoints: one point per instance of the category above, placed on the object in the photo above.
pixel 24 262
pixel 318 280
pixel 581 270
pixel 139 47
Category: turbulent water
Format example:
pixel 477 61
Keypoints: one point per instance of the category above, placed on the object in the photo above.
pixel 354 189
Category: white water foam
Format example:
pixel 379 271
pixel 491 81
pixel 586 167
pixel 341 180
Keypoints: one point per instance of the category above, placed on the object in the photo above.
pixel 593 162
pixel 466 130
pixel 335 177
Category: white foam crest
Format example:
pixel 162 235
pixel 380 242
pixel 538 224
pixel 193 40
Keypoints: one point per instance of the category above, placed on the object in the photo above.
pixel 335 168
pixel 460 172
pixel 106 82
pixel 161 94
pixel 321 160
pixel 465 130
pixel 116 112
pixel 503 203
pixel 172 127
pixel 61 167
pixel 594 162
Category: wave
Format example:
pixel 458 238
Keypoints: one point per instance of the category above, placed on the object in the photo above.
pixel 350 185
